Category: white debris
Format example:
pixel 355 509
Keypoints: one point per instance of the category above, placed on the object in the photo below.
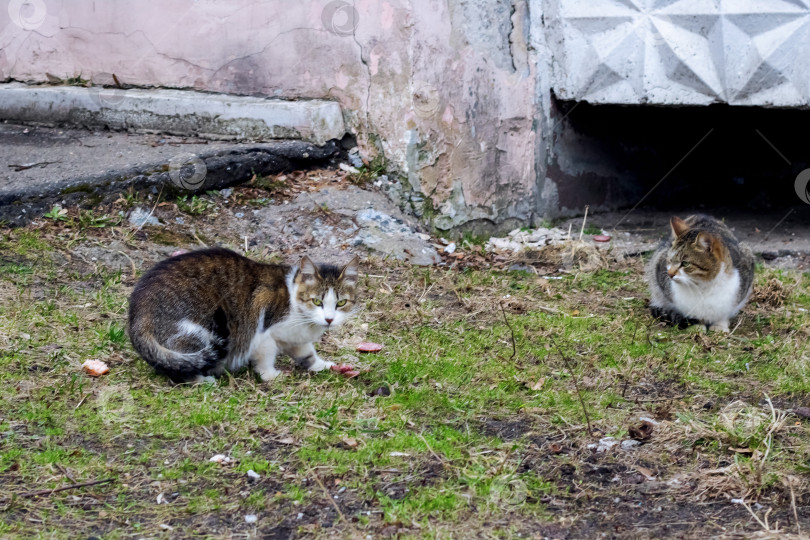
pixel 222 459
pixel 253 475
pixel 140 217
pixel 604 445
pixel 348 168
pixel 399 454
pixel 647 419
pixel 451 247
pixel 522 239
pixel 629 444
pixel 251 518
pixel 161 499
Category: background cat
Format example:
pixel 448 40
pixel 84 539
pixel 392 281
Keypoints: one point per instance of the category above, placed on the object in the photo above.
pixel 704 275
pixel 200 313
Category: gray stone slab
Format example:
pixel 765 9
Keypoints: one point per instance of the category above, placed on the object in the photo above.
pixel 41 166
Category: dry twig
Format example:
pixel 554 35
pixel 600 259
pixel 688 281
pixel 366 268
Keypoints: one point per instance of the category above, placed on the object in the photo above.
pixel 63 488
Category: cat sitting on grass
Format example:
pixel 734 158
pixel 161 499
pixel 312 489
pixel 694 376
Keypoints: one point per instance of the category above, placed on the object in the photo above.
pixel 703 276
pixel 195 315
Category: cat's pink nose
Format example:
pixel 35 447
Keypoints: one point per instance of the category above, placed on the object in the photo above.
pixel 329 321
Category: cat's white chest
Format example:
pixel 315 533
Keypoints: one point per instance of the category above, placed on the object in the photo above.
pixel 296 332
pixel 710 302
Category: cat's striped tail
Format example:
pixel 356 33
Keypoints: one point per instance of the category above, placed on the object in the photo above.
pixel 178 366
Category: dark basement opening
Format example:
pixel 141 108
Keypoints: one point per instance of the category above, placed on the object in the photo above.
pixel 709 157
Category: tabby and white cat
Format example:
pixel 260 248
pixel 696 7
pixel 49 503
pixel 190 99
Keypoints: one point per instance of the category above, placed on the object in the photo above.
pixel 703 276
pixel 195 315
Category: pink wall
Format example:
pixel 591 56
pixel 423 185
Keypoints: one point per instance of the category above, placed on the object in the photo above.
pixel 445 88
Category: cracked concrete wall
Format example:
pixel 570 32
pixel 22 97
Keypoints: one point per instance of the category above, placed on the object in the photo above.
pixel 446 89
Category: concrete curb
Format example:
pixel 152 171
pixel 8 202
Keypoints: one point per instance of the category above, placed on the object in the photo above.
pixel 177 112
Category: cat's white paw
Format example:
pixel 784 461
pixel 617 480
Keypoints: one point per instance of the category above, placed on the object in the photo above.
pixel 720 327
pixel 320 364
pixel 268 374
pixel 202 379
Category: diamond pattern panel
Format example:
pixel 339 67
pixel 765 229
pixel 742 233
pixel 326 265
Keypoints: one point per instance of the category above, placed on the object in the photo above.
pixel 691 52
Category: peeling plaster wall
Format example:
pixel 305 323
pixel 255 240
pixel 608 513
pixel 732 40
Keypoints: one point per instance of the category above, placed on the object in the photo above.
pixel 446 89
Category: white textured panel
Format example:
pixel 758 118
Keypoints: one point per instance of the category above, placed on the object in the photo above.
pixel 671 52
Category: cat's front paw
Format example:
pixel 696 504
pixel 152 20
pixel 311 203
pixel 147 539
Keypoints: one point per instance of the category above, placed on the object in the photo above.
pixel 320 364
pixel 267 375
pixel 719 327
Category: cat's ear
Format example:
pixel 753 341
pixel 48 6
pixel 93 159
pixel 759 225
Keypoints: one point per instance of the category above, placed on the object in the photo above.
pixel 351 272
pixel 307 271
pixel 709 243
pixel 678 225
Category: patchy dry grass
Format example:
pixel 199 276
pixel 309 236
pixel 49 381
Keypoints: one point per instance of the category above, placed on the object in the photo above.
pixel 474 440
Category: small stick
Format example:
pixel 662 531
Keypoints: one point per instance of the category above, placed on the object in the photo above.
pixel 431 449
pixel 79 404
pixel 64 488
pixel 576 384
pixel 197 238
pixel 582 230
pixel 134 271
pixel 511 330
pixel 66 473
pixel 793 504
pixel 328 496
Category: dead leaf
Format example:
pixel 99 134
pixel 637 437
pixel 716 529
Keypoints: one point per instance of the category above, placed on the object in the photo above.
pixel 641 432
pixel 555 448
pixel 350 442
pixel 539 384
pixel 647 473
pixel 575 313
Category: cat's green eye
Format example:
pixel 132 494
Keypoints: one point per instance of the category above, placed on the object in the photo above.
pixel 317 301
pixel 341 303
pixel 686 264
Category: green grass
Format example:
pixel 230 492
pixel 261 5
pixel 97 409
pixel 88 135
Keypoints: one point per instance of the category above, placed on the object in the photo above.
pixel 472 439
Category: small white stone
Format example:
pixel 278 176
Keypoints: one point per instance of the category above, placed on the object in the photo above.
pixel 251 518
pixel 253 474
pixel 629 444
